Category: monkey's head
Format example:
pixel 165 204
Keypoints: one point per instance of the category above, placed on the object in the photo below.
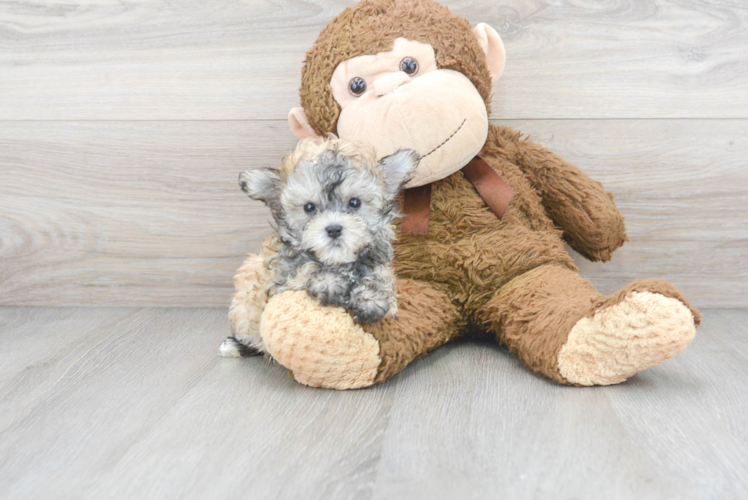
pixel 402 74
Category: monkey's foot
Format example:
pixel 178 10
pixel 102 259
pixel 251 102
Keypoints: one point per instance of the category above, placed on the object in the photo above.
pixel 619 340
pixel 322 346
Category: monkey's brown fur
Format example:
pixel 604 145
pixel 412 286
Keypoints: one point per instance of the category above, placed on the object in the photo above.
pixel 498 271
pixel 511 276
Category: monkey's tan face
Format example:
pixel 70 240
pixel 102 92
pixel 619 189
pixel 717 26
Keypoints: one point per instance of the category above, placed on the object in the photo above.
pixel 400 99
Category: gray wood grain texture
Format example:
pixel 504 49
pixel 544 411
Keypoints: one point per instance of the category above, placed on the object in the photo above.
pixel 241 60
pixel 134 403
pixel 149 213
pixel 101 203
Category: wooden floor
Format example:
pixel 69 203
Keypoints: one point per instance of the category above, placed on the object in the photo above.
pixel 135 403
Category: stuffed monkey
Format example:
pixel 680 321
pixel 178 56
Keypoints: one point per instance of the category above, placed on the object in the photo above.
pixel 482 246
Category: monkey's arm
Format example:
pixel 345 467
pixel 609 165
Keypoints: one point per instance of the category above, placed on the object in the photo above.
pixel 592 224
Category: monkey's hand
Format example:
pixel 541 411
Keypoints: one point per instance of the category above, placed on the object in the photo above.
pixel 592 224
pixel 371 300
pixel 329 288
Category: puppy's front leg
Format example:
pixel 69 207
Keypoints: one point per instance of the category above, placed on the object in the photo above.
pixel 372 299
pixel 331 289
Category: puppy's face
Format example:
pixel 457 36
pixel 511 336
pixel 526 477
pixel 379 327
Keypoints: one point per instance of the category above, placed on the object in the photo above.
pixel 332 205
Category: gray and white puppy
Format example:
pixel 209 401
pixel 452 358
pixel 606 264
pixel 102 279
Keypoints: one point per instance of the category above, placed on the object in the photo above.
pixel 333 206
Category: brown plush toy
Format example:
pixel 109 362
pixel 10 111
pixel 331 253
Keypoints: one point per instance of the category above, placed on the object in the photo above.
pixel 487 217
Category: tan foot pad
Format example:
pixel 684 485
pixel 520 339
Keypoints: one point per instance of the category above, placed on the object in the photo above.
pixel 642 331
pixel 322 346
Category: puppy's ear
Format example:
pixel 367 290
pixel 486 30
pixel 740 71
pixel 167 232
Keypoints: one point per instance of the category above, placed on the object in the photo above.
pixel 262 184
pixel 397 169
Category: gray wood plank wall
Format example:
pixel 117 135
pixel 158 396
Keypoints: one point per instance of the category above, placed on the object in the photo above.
pixel 123 127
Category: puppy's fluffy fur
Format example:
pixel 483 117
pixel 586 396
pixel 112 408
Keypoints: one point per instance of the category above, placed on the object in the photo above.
pixel 332 205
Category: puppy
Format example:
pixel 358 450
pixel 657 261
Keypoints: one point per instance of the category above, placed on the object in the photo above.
pixel 332 206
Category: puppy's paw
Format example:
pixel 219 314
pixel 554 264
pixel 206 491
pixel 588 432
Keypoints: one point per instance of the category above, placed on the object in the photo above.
pixel 369 303
pixel 368 315
pixel 329 289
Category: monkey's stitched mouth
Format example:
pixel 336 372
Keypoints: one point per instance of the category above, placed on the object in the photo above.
pixel 443 142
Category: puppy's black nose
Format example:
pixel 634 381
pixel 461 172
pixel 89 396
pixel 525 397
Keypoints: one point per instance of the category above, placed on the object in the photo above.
pixel 334 230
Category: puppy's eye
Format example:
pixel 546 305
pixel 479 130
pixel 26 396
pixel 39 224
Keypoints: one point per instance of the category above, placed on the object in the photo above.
pixel 357 86
pixel 309 208
pixel 354 203
pixel 409 66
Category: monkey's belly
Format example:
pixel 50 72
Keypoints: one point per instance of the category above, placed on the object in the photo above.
pixel 473 253
pixel 474 267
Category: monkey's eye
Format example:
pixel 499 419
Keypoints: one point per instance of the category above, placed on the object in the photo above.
pixel 357 86
pixel 309 208
pixel 409 66
pixel 354 203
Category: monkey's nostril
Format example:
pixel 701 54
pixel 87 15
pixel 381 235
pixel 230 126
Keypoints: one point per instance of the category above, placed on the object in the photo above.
pixel 334 230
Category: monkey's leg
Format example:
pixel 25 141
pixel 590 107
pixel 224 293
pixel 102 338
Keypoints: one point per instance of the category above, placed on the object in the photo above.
pixel 562 328
pixel 323 347
pixel 246 309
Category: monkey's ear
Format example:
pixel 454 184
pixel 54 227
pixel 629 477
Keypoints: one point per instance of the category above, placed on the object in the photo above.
pixel 262 184
pixel 397 169
pixel 299 124
pixel 493 47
